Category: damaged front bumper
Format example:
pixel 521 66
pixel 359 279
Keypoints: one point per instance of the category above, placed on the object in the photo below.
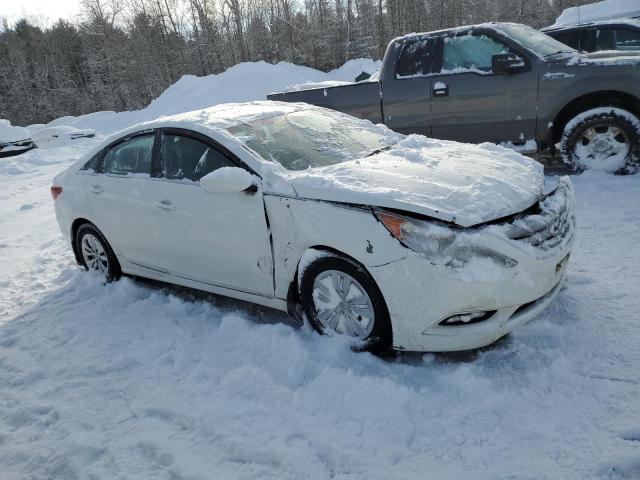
pixel 435 307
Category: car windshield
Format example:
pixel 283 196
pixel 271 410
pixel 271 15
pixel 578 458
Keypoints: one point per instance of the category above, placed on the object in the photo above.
pixel 313 138
pixel 539 43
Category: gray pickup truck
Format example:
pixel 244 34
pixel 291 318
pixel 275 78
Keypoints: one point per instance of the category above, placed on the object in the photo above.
pixel 501 82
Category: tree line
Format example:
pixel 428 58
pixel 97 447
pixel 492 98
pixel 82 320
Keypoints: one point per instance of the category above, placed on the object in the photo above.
pixel 121 54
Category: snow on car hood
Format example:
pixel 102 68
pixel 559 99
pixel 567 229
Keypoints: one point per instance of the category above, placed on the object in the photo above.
pixel 460 183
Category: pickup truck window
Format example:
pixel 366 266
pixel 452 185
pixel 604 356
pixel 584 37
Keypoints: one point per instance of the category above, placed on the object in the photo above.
pixel 470 52
pixel 416 58
pixel 311 138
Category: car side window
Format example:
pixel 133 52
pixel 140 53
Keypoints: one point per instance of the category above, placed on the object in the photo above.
pixel 185 158
pixel 416 58
pixel 597 39
pixel 92 164
pixel 132 156
pixel 627 39
pixel 572 39
pixel 470 52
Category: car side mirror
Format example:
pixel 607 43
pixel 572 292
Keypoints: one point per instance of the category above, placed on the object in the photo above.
pixel 507 63
pixel 228 180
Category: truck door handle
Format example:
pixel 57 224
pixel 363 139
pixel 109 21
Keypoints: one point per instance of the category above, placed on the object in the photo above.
pixel 440 89
pixel 165 205
pixel 97 189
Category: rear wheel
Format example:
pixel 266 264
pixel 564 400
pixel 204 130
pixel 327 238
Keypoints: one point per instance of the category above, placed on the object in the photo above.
pixel 339 296
pixel 605 138
pixel 96 254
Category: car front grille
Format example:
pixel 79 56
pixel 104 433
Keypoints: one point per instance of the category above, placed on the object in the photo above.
pixel 550 222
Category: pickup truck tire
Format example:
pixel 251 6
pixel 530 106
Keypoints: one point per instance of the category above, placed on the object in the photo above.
pixel 604 138
pixel 340 296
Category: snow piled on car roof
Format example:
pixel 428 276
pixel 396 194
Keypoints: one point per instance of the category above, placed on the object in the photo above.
pixel 605 10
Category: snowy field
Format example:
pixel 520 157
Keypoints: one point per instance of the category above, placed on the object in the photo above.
pixel 135 380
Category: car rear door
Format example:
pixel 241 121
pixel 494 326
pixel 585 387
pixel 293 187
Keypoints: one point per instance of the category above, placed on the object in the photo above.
pixel 116 194
pixel 219 239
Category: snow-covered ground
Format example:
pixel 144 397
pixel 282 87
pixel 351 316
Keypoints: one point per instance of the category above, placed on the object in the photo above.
pixel 135 380
pixel 132 380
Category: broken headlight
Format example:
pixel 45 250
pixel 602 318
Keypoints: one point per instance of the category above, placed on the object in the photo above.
pixel 440 244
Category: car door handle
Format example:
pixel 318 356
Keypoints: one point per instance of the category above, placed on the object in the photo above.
pixel 97 189
pixel 440 89
pixel 165 205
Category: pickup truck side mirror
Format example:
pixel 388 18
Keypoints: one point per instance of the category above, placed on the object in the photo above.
pixel 507 63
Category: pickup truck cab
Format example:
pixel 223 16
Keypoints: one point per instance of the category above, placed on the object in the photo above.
pixel 501 82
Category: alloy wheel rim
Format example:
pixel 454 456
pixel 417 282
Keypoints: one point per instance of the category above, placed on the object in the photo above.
pixel 342 304
pixel 94 254
pixel 602 143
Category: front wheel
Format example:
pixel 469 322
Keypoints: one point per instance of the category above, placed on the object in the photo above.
pixel 605 138
pixel 96 254
pixel 340 296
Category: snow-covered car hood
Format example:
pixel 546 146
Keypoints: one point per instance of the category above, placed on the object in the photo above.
pixel 460 183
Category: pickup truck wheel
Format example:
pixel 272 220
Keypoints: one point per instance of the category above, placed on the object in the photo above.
pixel 605 138
pixel 339 296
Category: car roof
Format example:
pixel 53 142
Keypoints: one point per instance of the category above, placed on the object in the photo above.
pixel 487 25
pixel 633 22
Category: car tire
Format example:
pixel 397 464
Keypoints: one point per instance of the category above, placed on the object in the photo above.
pixel 96 254
pixel 348 311
pixel 605 138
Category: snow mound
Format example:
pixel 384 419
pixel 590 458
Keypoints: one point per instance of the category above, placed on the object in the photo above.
pixel 605 10
pixel 10 133
pixel 241 83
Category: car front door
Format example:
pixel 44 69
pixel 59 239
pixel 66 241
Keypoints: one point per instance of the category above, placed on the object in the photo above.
pixel 468 101
pixel 219 239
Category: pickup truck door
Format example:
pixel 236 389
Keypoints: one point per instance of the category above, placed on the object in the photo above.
pixel 406 86
pixel 468 101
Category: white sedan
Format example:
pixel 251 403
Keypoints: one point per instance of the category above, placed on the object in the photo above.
pixel 398 241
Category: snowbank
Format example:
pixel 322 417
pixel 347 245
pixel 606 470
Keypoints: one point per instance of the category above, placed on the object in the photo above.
pixel 605 10
pixel 240 83
pixel 10 133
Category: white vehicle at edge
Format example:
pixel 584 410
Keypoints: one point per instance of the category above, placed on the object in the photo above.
pixel 399 241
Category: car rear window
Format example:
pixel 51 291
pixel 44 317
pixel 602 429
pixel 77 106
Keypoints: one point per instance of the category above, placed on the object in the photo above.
pixel 416 58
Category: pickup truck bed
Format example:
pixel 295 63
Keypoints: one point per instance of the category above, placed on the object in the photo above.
pixel 359 99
